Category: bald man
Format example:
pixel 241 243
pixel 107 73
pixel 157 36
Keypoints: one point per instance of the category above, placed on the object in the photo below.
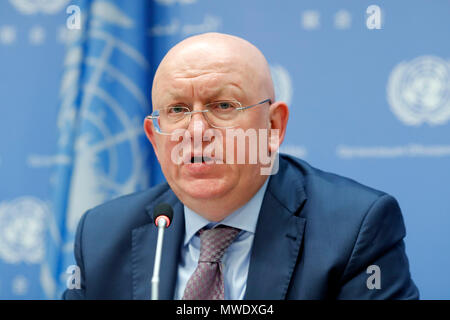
pixel 248 223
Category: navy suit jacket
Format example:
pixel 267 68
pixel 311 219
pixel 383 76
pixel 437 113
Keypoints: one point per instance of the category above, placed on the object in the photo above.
pixel 316 235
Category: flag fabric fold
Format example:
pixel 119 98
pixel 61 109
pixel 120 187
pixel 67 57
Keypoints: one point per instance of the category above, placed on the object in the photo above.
pixel 105 95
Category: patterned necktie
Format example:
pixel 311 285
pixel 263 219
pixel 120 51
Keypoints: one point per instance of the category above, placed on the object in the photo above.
pixel 206 283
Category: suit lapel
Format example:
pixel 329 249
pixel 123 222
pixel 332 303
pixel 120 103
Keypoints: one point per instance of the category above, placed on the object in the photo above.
pixel 278 236
pixel 144 247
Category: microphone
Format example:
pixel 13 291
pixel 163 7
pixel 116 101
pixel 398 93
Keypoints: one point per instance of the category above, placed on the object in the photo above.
pixel 162 216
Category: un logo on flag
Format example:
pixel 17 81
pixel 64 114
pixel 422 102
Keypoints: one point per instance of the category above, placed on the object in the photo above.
pixel 22 228
pixel 419 91
pixel 110 147
pixel 104 100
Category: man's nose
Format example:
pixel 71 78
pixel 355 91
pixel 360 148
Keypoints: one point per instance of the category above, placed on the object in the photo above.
pixel 198 124
pixel 197 128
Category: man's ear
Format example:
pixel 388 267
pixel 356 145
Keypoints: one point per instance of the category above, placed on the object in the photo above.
pixel 278 117
pixel 149 131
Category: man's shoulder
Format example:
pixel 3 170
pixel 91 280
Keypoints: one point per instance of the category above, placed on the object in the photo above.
pixel 319 182
pixel 338 208
pixel 138 198
pixel 330 194
pixel 315 179
pixel 127 211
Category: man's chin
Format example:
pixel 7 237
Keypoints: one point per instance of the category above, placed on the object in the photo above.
pixel 203 189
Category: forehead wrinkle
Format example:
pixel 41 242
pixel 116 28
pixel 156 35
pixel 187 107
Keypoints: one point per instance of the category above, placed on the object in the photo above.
pixel 203 73
pixel 224 91
pixel 206 85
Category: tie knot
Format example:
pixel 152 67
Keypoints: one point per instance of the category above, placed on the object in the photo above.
pixel 214 242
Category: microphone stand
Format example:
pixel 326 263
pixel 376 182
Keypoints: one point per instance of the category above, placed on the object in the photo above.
pixel 155 278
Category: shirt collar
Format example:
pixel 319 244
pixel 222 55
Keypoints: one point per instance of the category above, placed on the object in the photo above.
pixel 244 218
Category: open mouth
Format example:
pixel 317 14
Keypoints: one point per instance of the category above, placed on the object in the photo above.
pixel 201 159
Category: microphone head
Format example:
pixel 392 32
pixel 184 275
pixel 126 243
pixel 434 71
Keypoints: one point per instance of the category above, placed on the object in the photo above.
pixel 164 211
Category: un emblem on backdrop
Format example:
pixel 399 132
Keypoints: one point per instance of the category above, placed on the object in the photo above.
pixel 22 229
pixel 418 91
pixel 36 6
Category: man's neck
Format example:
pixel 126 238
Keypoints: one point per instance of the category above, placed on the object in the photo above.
pixel 216 210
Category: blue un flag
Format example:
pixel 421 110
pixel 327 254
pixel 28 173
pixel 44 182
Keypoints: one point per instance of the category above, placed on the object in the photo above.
pixel 105 94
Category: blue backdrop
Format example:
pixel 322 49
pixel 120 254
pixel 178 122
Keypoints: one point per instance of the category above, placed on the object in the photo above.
pixel 367 82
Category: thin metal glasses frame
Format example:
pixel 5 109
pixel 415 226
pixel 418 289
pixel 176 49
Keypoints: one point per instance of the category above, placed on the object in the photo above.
pixel 190 113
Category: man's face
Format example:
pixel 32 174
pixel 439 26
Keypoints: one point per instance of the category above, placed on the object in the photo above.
pixel 194 76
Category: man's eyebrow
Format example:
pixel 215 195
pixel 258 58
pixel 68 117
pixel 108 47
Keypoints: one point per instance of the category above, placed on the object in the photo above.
pixel 177 94
pixel 221 90
pixel 171 96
